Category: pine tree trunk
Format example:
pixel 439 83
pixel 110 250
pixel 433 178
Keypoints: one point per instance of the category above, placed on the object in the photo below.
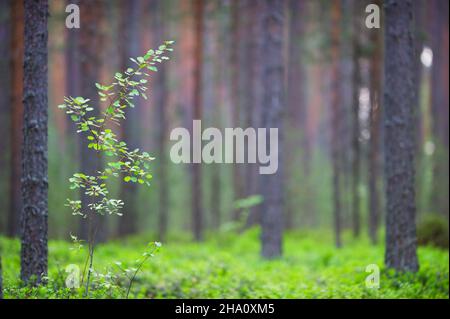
pixel 336 120
pixel 161 103
pixel 296 104
pixel 5 109
pixel 72 67
pixel 401 242
pixel 295 75
pixel 17 46
pixel 34 150
pixel 419 31
pixel 57 78
pixel 356 149
pixel 236 77
pixel 375 133
pixel 197 196
pixel 90 46
pixel 129 47
pixel 219 62
pixel 440 106
pixel 273 108
pixel 347 96
pixel 253 90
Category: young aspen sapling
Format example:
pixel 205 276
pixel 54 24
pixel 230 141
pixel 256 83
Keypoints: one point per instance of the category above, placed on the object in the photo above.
pixel 134 165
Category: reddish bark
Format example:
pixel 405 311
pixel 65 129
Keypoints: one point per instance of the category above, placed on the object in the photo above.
pixel 197 196
pixel 17 51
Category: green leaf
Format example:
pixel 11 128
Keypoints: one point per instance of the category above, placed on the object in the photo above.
pixel 80 100
pixel 134 92
pixel 114 165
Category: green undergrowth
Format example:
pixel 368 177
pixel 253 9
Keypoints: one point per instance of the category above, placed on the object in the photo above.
pixel 229 266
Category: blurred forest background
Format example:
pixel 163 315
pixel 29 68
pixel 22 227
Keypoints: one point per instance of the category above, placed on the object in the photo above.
pixel 333 154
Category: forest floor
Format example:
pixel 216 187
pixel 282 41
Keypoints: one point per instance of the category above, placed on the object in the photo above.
pixel 229 266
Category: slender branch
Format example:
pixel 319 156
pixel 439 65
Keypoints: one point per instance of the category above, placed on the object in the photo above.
pixel 137 270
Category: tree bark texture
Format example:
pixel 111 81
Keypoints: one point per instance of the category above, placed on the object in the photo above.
pixel 401 242
pixel 273 111
pixel 17 46
pixel 34 182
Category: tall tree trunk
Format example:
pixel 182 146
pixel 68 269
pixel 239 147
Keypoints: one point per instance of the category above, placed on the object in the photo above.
pixel 90 48
pixel 252 87
pixel 34 179
pixel 296 77
pixel 17 46
pixel 419 34
pixel 375 132
pixel 440 106
pixel 161 103
pixel 336 118
pixel 57 74
pixel 219 56
pixel 209 93
pixel 72 67
pixel 129 47
pixel 273 108
pixel 401 242
pixel 422 75
pixel 296 102
pixel 347 96
pixel 197 196
pixel 236 77
pixel 72 84
pixel 356 149
pixel 5 109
